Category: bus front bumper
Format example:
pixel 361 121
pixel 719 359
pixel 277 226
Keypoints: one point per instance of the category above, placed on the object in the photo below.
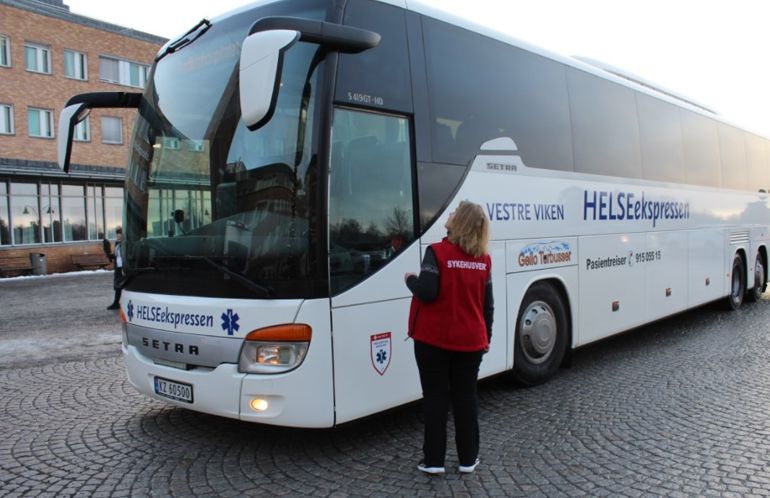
pixel 224 391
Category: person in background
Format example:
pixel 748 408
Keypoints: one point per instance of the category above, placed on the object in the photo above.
pixel 450 320
pixel 395 246
pixel 117 258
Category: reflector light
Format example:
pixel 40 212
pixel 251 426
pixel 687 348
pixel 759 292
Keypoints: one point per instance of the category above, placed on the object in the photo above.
pixel 292 332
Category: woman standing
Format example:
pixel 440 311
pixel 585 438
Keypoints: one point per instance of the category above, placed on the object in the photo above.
pixel 450 321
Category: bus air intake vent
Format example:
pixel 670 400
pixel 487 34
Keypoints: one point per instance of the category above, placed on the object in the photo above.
pixel 740 237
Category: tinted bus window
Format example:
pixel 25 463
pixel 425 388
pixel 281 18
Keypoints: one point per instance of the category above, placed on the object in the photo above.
pixel 436 184
pixel 371 218
pixel 701 150
pixel 732 147
pixel 481 89
pixel 604 126
pixel 758 162
pixel 660 134
pixel 380 77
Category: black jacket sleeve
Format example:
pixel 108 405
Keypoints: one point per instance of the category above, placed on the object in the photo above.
pixel 489 307
pixel 425 287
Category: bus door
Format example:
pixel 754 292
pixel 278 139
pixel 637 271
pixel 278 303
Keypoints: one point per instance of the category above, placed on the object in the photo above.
pixel 371 246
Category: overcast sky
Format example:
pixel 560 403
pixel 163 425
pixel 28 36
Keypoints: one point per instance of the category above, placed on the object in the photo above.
pixel 713 51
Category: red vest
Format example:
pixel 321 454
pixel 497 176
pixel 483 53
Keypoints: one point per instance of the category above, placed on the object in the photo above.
pixel 455 320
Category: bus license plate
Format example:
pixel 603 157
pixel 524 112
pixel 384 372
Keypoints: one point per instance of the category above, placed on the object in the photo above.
pixel 178 391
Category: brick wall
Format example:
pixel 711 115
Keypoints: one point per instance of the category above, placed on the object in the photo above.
pixel 26 89
pixel 58 257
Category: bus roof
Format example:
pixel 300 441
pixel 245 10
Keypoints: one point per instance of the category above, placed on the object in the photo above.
pixel 585 64
pixel 596 68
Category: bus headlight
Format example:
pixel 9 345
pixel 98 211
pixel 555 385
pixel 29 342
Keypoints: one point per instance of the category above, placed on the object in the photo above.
pixel 275 349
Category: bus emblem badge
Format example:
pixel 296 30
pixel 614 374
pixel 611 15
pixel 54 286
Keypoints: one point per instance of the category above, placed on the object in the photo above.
pixel 380 351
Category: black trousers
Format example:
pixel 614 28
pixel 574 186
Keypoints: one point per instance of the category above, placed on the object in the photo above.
pixel 117 277
pixel 449 378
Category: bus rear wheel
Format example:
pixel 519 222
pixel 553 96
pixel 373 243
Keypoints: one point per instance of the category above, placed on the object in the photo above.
pixel 541 335
pixel 738 284
pixel 760 280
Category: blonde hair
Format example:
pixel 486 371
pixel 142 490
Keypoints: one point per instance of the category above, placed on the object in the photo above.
pixel 469 229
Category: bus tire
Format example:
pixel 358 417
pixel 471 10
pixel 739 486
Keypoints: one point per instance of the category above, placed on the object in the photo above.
pixel 737 284
pixel 541 335
pixel 760 280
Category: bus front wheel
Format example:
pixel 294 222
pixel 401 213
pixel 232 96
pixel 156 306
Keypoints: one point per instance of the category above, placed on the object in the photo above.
pixel 541 335
pixel 737 284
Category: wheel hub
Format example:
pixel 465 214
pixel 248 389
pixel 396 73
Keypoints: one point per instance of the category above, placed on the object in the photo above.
pixel 759 274
pixel 736 288
pixel 538 332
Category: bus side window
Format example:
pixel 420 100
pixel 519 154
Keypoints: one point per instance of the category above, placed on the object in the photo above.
pixel 358 153
pixel 336 160
pixel 371 218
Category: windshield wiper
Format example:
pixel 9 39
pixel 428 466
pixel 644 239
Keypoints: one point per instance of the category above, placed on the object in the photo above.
pixel 185 39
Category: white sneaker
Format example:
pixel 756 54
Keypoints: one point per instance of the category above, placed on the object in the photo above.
pixel 429 470
pixel 467 469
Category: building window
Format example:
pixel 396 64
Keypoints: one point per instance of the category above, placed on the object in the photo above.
pixel 113 210
pixel 6 119
pixel 73 213
pixel 75 65
pixel 83 130
pixel 37 58
pixel 109 70
pixel 25 213
pixel 40 122
pixel 5 51
pixel 95 212
pixel 170 143
pixel 123 72
pixel 35 213
pixel 5 221
pixel 195 145
pixel 195 203
pixel 112 130
pixel 49 212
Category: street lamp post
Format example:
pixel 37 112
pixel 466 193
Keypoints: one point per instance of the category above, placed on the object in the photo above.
pixel 27 207
pixel 47 210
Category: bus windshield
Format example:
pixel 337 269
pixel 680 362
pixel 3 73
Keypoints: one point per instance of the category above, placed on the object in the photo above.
pixel 214 209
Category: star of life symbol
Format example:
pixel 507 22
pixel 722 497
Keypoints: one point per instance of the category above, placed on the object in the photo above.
pixel 130 311
pixel 230 322
pixel 380 351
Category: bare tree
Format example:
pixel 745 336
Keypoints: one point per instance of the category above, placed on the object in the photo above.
pixel 399 222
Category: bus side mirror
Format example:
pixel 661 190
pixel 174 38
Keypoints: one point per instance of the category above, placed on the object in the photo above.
pixel 68 119
pixel 260 74
pixel 262 58
pixel 76 110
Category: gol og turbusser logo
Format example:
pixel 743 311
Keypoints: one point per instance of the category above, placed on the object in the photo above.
pixel 545 253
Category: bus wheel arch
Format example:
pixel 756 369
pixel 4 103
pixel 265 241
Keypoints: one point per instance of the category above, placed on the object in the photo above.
pixel 760 276
pixel 543 333
pixel 737 281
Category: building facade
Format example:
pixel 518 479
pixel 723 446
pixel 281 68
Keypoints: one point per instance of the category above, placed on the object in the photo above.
pixel 47 55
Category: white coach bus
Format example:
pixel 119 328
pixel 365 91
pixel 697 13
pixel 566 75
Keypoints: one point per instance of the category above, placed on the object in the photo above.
pixel 293 159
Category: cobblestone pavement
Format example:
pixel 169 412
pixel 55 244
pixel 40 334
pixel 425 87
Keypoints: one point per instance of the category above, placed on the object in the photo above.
pixel 678 408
